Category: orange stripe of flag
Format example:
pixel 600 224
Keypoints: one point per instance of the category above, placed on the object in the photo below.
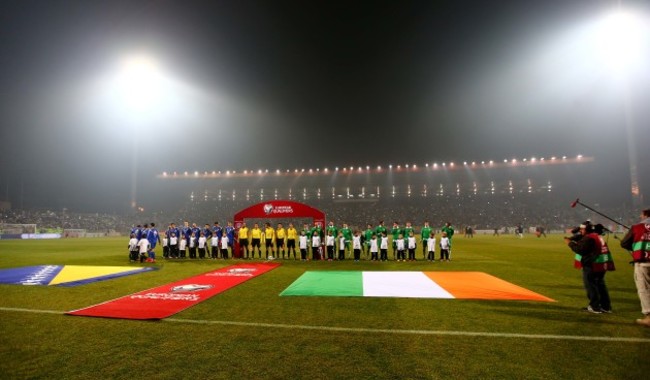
pixel 479 285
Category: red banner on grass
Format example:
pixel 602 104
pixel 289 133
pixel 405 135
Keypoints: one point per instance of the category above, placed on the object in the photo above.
pixel 167 300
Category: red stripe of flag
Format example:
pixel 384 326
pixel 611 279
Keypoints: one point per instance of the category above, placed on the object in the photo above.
pixel 167 300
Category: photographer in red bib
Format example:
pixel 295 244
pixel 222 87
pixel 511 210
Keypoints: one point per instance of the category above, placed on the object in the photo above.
pixel 593 256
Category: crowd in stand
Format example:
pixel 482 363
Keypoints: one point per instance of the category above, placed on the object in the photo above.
pixel 483 212
pixel 480 212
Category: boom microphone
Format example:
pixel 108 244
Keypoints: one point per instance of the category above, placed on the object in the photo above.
pixel 577 202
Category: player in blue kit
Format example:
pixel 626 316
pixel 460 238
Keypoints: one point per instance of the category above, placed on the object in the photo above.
pixel 154 238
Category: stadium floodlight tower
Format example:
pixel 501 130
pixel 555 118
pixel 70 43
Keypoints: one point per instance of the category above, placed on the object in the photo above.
pixel 615 45
pixel 626 35
pixel 139 83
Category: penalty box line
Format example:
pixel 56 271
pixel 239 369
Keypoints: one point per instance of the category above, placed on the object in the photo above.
pixel 373 331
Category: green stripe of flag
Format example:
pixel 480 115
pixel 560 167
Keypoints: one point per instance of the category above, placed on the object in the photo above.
pixel 326 283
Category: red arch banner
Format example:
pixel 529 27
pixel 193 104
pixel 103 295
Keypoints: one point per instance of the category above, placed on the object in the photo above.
pixel 273 210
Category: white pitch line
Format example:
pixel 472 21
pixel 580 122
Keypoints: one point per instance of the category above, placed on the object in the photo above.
pixel 376 331
pixel 413 332
pixel 30 310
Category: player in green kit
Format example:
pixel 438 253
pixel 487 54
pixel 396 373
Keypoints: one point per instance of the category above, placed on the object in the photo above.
pixel 381 229
pixel 425 234
pixel 407 230
pixel 307 230
pixel 347 234
pixel 367 236
pixel 317 229
pixel 396 231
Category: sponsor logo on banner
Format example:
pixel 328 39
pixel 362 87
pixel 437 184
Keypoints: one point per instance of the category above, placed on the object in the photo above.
pixel 270 209
pixel 167 297
pixel 190 288
pixel 176 293
pixel 236 272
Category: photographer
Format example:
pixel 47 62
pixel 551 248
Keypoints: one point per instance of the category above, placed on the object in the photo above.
pixel 593 256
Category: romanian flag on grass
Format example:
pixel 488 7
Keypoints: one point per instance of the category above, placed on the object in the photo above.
pixel 464 285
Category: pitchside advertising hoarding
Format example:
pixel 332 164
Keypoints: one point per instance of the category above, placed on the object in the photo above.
pixel 27 231
pixel 29 236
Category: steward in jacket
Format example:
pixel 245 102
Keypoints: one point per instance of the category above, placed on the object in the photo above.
pixel 637 240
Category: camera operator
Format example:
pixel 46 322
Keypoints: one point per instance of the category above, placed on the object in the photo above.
pixel 637 240
pixel 593 256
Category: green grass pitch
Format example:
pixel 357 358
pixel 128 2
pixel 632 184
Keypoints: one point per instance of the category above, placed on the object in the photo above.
pixel 249 332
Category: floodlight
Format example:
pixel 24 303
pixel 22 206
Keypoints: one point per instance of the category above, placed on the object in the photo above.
pixel 140 80
pixel 622 33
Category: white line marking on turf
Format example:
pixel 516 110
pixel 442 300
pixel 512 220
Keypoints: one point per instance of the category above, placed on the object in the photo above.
pixel 30 310
pixel 375 331
pixel 413 332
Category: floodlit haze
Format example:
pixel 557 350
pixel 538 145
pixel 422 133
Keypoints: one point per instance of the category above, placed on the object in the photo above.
pixel 89 89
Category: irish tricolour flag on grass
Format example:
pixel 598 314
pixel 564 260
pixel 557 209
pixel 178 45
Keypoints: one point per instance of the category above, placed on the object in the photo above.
pixel 467 285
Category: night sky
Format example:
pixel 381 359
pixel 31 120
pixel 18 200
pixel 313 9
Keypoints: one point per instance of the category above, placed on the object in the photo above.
pixel 286 84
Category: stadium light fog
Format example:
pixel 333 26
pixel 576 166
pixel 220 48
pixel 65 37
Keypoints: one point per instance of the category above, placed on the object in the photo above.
pixel 137 91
